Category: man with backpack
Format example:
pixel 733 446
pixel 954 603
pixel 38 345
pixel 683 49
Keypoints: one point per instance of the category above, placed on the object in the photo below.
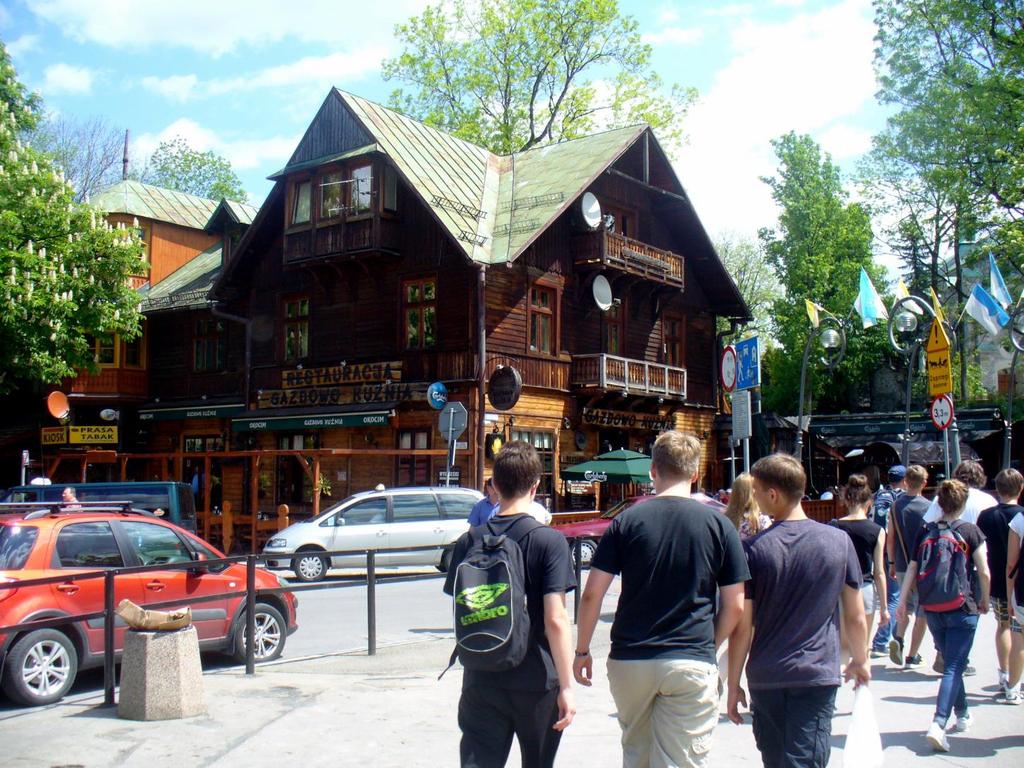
pixel 508 579
pixel 949 570
pixel 682 569
pixel 905 521
pixel 885 500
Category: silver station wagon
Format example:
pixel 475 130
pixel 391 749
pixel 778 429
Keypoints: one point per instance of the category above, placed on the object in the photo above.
pixel 392 518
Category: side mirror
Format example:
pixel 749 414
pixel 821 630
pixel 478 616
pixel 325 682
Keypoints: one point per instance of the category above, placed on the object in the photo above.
pixel 199 558
pixel 339 520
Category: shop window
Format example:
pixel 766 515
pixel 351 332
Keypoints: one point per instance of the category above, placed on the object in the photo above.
pixel 293 484
pixel 419 313
pixel 674 335
pixel 413 470
pixel 208 345
pixel 302 202
pixel 296 329
pixel 614 330
pixel 542 320
pixel 201 443
pixel 544 442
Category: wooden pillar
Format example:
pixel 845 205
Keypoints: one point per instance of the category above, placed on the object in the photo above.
pixel 85 465
pixel 124 468
pixel 227 523
pixel 206 496
pixel 316 485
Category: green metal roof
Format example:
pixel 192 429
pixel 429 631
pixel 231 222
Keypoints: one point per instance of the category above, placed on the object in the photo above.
pixel 149 202
pixel 318 161
pixel 187 287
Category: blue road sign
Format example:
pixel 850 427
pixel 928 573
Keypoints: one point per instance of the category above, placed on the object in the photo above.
pixel 748 364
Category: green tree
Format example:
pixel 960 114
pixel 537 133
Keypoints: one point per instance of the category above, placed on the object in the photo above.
pixel 818 248
pixel 175 165
pixel 755 278
pixel 64 273
pixel 511 74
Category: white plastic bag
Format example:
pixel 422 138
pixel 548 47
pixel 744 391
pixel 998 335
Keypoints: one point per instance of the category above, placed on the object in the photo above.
pixel 863 743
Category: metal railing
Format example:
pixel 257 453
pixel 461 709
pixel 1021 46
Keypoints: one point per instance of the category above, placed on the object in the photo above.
pixel 249 614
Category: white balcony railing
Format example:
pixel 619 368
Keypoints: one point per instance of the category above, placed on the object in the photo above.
pixel 603 371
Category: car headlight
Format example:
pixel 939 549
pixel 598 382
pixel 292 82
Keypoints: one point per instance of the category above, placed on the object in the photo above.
pixel 278 543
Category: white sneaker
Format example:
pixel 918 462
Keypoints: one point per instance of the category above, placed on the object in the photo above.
pixel 963 723
pixel 937 738
pixel 1013 696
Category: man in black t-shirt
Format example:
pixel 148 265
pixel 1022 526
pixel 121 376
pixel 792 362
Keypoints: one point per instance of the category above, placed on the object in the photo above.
pixel 533 701
pixel 905 523
pixel 801 572
pixel 677 558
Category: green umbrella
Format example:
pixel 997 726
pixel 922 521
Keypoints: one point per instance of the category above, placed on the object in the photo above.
pixel 620 466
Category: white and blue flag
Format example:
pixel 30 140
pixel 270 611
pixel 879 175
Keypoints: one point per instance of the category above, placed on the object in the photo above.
pixel 983 308
pixel 869 304
pixel 996 286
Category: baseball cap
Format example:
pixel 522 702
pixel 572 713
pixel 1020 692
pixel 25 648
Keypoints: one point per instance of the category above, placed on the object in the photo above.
pixel 897 472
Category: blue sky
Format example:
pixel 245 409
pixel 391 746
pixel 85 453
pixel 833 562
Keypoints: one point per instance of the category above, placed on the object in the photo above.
pixel 245 77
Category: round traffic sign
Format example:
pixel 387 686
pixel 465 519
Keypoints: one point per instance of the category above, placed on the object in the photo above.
pixel 728 368
pixel 941 411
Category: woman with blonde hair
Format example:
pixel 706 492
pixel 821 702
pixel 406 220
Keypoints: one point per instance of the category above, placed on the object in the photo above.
pixel 743 510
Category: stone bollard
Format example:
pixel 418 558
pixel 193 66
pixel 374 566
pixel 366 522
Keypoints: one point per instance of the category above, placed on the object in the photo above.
pixel 161 675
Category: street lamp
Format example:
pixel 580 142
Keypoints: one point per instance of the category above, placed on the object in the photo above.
pixel 1017 339
pixel 832 338
pixel 906 334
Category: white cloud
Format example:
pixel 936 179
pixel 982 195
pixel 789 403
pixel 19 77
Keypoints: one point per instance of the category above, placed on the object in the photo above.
pixel 23 45
pixel 64 78
pixel 312 72
pixel 844 141
pixel 220 27
pixel 667 14
pixel 175 87
pixel 243 153
pixel 674 36
pixel 810 74
pixel 731 11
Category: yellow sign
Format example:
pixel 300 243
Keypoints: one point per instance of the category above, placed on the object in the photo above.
pixel 92 435
pixel 53 435
pixel 940 363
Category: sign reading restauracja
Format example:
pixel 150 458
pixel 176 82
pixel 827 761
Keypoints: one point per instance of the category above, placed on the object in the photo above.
pixel 361 373
pixel 598 417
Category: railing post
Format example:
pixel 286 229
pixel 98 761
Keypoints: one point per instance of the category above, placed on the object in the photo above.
pixel 108 638
pixel 250 614
pixel 371 603
pixel 578 568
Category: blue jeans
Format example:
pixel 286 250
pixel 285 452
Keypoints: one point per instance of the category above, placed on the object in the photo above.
pixel 892 598
pixel 793 726
pixel 953 632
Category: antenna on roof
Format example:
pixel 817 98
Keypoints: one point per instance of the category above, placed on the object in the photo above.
pixel 124 159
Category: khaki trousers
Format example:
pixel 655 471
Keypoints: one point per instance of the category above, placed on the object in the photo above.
pixel 667 709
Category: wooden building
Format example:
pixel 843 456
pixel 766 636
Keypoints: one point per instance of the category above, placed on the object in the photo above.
pixel 390 256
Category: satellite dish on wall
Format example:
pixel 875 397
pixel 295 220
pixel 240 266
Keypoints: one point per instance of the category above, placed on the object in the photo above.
pixel 57 405
pixel 590 210
pixel 602 291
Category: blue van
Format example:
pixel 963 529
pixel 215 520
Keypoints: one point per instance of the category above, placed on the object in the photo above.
pixel 173 500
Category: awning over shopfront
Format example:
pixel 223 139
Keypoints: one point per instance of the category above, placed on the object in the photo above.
pixel 291 419
pixel 192 410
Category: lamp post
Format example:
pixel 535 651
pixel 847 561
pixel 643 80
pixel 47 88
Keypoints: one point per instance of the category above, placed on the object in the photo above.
pixel 907 334
pixel 1017 339
pixel 832 338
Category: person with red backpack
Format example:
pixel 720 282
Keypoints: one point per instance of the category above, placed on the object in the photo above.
pixel 949 570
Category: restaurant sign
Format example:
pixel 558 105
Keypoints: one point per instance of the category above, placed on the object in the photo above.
pixel 356 373
pixel 599 417
pixel 382 392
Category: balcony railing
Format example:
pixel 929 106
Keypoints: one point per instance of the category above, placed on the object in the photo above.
pixel 607 249
pixel 636 376
pixel 370 233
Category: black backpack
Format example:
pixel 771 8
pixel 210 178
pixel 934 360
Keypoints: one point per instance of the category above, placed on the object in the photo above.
pixel 943 574
pixel 492 625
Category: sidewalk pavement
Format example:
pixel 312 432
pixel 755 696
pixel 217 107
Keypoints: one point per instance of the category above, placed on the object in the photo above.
pixel 390 710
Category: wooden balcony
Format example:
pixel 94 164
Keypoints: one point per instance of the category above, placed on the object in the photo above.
pixel 603 372
pixel 115 382
pixel 602 249
pixel 345 237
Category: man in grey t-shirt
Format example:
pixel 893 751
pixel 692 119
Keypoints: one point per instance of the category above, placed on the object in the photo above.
pixel 800 570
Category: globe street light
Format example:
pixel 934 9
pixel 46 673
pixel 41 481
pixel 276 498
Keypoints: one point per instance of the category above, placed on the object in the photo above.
pixel 832 338
pixel 1017 340
pixel 907 334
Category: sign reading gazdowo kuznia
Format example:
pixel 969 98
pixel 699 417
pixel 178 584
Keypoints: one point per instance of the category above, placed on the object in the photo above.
pixel 599 417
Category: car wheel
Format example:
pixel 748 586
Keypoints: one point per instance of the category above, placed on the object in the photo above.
pixel 309 566
pixel 270 634
pixel 587 549
pixel 446 560
pixel 40 668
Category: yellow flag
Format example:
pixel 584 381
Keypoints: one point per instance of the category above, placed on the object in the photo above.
pixel 903 292
pixel 939 314
pixel 812 312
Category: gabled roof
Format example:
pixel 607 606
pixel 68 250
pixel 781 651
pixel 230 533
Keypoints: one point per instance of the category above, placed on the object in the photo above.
pixel 147 201
pixel 188 286
pixel 232 212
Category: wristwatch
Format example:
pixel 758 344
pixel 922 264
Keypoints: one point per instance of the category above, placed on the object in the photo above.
pixel 581 654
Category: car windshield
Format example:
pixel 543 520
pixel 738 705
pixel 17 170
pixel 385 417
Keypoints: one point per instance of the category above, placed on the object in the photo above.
pixel 620 507
pixel 15 544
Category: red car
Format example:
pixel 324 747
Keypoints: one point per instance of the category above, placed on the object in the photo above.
pixel 590 531
pixel 39 666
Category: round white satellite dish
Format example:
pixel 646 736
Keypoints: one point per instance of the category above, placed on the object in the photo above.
pixel 602 291
pixel 590 210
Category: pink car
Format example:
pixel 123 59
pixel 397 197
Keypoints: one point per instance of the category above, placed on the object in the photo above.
pixel 590 531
